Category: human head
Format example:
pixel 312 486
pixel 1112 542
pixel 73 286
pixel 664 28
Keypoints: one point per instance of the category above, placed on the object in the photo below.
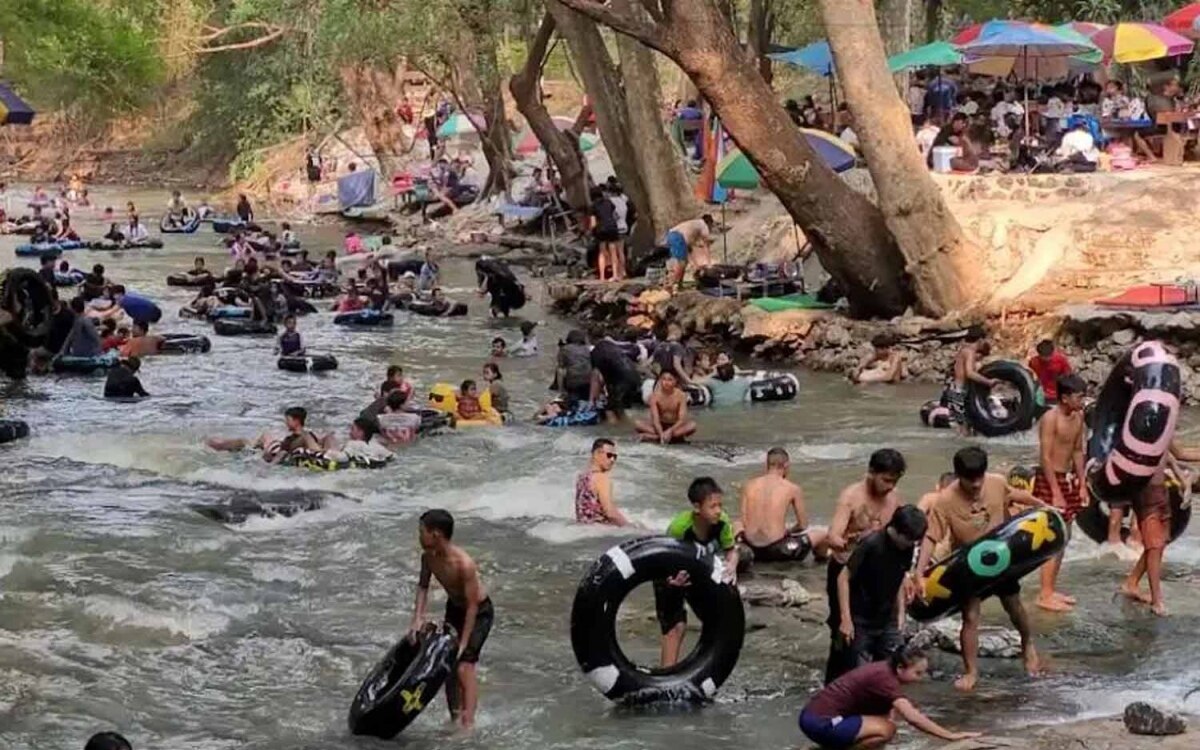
pixel 708 220
pixel 468 388
pixel 116 291
pixel 706 497
pixel 527 328
pixel 576 336
pixel 882 342
pixel 975 333
pixel 909 664
pixel 667 381
pixel 726 372
pixel 108 326
pixel 1071 390
pixel 907 527
pixel 107 741
pixel 396 398
pixel 970 467
pixel 1114 87
pixel 285 226
pixel 436 528
pixel 499 346
pixel 437 293
pixel 134 363
pixel 289 322
pixel 884 470
pixel 674 332
pixel 1045 348
pixel 199 262
pixel 778 461
pixel 395 373
pixel 140 328
pixel 491 372
pixel 959 122
pixel 77 305
pixel 364 428
pixel 604 454
pixel 295 418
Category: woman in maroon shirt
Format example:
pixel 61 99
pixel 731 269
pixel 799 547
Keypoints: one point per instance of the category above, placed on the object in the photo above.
pixel 854 710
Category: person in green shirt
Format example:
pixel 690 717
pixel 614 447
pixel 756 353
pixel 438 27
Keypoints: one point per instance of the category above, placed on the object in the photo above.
pixel 707 526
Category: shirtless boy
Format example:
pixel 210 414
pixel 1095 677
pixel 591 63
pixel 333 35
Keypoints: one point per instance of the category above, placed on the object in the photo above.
pixel 669 421
pixel 297 438
pixel 863 507
pixel 763 521
pixel 968 509
pixel 966 368
pixel 885 363
pixel 1060 483
pixel 142 343
pixel 468 608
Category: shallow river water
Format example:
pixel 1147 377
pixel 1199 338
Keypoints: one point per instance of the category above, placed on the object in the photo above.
pixel 120 607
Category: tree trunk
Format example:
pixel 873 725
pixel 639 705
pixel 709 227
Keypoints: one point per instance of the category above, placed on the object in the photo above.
pixel 759 30
pixel 572 168
pixel 375 92
pixel 933 19
pixel 943 265
pixel 495 138
pixel 661 164
pixel 897 28
pixel 847 232
pixel 603 86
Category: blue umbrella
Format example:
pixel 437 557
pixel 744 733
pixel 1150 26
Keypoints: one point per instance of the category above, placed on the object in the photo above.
pixel 816 57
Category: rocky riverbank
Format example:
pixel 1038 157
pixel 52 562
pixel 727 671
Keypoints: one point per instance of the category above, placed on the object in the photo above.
pixel 828 341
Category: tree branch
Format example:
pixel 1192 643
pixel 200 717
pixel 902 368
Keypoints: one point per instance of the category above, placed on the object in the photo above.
pixel 259 42
pixel 646 32
pixel 524 81
pixel 216 32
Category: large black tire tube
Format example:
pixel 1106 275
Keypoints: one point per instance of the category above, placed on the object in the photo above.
pixel 406 680
pixel 309 363
pixel 1093 520
pixel 1021 415
pixel 243 327
pixel 619 571
pixel 1133 423
pixel 12 429
pixel 778 386
pixel 185 343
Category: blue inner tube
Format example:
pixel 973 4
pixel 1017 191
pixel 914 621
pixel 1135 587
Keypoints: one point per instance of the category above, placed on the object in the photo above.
pixel 427 309
pixel 403 683
pixel 230 312
pixel 1133 423
pixel 191 279
pixel 13 429
pixel 85 365
pixel 581 417
pixel 150 243
pixel 364 318
pixel 74 277
pixel 187 227
pixel 48 248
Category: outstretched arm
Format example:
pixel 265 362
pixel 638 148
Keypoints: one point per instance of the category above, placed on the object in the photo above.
pixel 927 725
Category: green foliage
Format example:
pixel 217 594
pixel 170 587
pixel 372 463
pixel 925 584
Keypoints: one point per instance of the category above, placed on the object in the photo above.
pixel 74 55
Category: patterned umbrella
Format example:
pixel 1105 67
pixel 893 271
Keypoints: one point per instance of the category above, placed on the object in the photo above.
pixel 13 109
pixel 526 142
pixel 935 55
pixel 1135 42
pixel 736 172
pixel 1185 21
pixel 459 124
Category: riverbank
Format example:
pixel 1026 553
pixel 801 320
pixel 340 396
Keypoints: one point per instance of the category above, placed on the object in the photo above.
pixel 1089 734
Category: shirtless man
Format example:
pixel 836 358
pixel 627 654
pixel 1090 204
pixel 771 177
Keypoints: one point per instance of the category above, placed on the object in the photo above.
pixel 763 523
pixel 468 608
pixel 1060 483
pixel 975 504
pixel 688 242
pixel 863 507
pixel 966 368
pixel 273 451
pixel 141 343
pixel 885 364
pixel 669 421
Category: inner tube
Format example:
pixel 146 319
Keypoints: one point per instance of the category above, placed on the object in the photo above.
pixel 499 281
pixel 85 365
pixel 1008 553
pixel 48 248
pixel 434 421
pixel 322 461
pixel 12 429
pixel 230 312
pixel 187 227
pixel 244 327
pixel 418 307
pixel 581 417
pixel 609 580
pixel 150 243
pixel 934 414
pixel 1020 416
pixel 777 386
pixel 364 318
pixel 406 680
pixel 1134 423
pixel 400 266
pixel 225 226
pixel 74 277
pixel 1093 520
pixel 28 299
pixel 184 343
pixel 188 279
pixel 272 504
pixel 310 363
pixel 697 395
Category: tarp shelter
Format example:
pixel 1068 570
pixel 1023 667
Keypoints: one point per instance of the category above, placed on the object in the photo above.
pixel 933 55
pixel 13 109
pixel 357 189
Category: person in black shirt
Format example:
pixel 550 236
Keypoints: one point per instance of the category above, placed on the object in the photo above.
pixel 244 211
pixel 123 382
pixel 46 272
pixel 955 134
pixel 606 233
pixel 617 375
pixel 871 586
pixel 673 356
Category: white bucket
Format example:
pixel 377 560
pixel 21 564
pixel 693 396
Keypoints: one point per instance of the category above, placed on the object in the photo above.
pixel 941 158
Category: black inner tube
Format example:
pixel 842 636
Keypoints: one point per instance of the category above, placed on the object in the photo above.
pixel 403 683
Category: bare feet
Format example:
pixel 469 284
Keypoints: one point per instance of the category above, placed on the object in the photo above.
pixel 1134 593
pixel 1033 663
pixel 1159 609
pixel 1053 603
pixel 966 682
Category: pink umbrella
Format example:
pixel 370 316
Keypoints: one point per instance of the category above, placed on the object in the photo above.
pixel 1135 42
pixel 526 141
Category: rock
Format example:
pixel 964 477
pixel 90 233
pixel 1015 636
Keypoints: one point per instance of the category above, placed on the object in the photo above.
pixel 1143 718
pixel 785 593
pixel 835 334
pixel 994 642
pixel 1124 337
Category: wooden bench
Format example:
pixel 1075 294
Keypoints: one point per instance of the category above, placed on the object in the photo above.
pixel 1177 137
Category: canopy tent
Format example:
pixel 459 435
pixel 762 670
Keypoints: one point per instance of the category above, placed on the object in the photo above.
pixel 1138 42
pixel 459 124
pixel 816 57
pixel 933 55
pixel 13 109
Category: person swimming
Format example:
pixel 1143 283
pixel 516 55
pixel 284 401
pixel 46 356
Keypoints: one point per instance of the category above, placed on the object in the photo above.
pixel 275 450
pixel 469 407
pixel 290 344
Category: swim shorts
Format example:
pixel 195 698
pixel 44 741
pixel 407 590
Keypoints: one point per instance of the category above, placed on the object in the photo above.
pixel 835 732
pixel 1070 493
pixel 677 246
pixel 793 547
pixel 956 402
pixel 456 615
pixel 1153 510
pixel 669 605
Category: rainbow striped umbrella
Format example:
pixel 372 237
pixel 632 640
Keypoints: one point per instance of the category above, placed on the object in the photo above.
pixel 736 172
pixel 459 124
pixel 1136 42
pixel 13 109
pixel 526 142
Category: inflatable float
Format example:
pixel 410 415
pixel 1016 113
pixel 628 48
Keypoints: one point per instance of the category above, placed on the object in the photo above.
pixel 697 395
pixel 190 280
pixel 1009 553
pixel 1093 520
pixel 936 414
pixel 1133 423
pixel 443 397
pixel 426 309
pixel 187 227
pixel 48 248
pixel 184 343
pixel 246 327
pixel 364 319
pixel 766 387
pixel 1018 415
pixel 74 277
pixel 28 302
pixel 271 504
pixel 403 683
pixel 85 365
pixel 225 226
pixel 149 243
pixel 308 363
pixel 323 461
pixel 583 416
pixel 698 676
pixel 12 429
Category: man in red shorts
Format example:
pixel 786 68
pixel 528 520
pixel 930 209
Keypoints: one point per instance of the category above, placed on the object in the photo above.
pixel 1060 481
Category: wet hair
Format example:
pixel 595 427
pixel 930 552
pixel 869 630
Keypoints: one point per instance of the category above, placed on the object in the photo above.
pixel 1070 384
pixel 288 317
pixel 298 413
pixel 909 522
pixel 777 458
pixel 369 427
pixel 883 340
pixel 887 461
pixel 702 489
pixel 959 117
pixel 133 362
pixel 1045 348
pixel 199 260
pixel 108 325
pixel 394 370
pixel 494 368
pixel 77 305
pixel 107 741
pixel 970 462
pixel 500 340
pixel 527 327
pixel 576 336
pixel 946 479
pixel 396 398
pixel 708 219
pixel 141 324
pixel 976 333
pixel 726 371
pixel 285 226
pixel 117 289
pixel 599 443
pixel 440 521
pixel 904 657
pixel 467 385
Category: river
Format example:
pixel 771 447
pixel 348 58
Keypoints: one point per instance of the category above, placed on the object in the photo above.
pixel 121 607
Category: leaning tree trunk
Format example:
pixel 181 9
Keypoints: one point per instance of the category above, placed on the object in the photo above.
pixel 374 92
pixel 760 26
pixel 943 265
pixel 671 198
pixel 846 230
pixel 567 158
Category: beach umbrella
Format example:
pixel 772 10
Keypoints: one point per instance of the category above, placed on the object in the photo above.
pixel 1136 42
pixel 459 124
pixel 1084 28
pixel 816 57
pixel 1185 21
pixel 13 109
pixel 526 142
pixel 934 55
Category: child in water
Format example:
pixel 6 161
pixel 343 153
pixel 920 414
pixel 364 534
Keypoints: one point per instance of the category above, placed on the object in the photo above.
pixel 354 244
pixel 290 343
pixel 468 401
pixel 287 237
pixel 499 348
pixel 528 346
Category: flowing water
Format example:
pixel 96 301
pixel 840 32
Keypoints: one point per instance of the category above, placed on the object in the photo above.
pixel 120 607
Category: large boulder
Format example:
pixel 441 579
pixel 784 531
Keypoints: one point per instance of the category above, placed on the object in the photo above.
pixel 1143 718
